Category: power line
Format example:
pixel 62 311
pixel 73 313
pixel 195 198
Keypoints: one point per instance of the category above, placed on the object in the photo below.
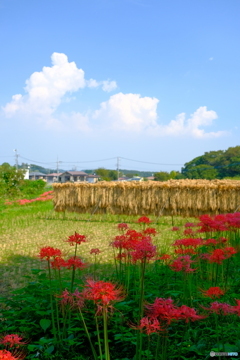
pixel 153 163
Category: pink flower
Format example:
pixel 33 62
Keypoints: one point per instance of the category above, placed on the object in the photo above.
pixel 175 228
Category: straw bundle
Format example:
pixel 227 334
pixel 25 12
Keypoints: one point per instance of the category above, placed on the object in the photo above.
pixel 173 197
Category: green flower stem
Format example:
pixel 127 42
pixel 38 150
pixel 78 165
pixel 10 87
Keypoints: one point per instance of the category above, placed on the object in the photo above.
pixel 157 347
pixel 140 315
pixel 99 339
pixel 51 302
pixel 88 336
pixel 106 347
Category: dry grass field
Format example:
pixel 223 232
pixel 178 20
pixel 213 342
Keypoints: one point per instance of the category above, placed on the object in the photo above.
pixel 25 229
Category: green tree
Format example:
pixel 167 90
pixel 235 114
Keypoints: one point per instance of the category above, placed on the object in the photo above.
pixel 214 164
pixel 10 179
pixel 162 176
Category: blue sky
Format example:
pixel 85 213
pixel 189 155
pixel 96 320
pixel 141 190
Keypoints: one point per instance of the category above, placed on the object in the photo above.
pixel 147 80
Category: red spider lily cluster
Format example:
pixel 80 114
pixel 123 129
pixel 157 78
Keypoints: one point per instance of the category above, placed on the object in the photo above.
pixel 224 308
pixel 221 222
pixel 182 263
pixel 43 197
pixel 12 342
pixel 213 292
pixel 6 355
pixel 54 256
pixel 163 312
pixel 134 245
pixel 218 255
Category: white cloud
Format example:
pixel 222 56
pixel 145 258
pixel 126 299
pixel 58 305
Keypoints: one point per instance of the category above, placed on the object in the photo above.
pixel 191 126
pixel 45 89
pixel 109 85
pixel 129 112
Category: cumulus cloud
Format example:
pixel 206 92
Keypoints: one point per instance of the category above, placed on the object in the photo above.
pixel 191 126
pixel 129 112
pixel 45 89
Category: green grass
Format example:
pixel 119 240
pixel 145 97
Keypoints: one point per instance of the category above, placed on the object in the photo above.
pixel 24 229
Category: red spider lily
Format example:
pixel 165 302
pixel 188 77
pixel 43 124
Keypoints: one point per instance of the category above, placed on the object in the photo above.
pixel 48 252
pixel 150 231
pixel 212 242
pixel 121 256
pixel 216 223
pixel 75 262
pixel 122 226
pixel 95 251
pixel 217 256
pixel 175 228
pixel 74 300
pixel 221 308
pixel 189 224
pixel 229 251
pixel 188 232
pixel 185 251
pixel 223 240
pixel 188 242
pixel 149 325
pixel 76 239
pixel 102 293
pixel 165 310
pixel 213 292
pixel 144 250
pixel 205 256
pixel 237 307
pixel 189 314
pixel 58 262
pixel 6 355
pixel 164 257
pixel 12 340
pixel 144 220
pixel 182 263
pixel 127 241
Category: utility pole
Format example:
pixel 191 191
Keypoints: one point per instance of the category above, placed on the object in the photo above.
pixel 118 163
pixel 16 158
pixel 58 162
